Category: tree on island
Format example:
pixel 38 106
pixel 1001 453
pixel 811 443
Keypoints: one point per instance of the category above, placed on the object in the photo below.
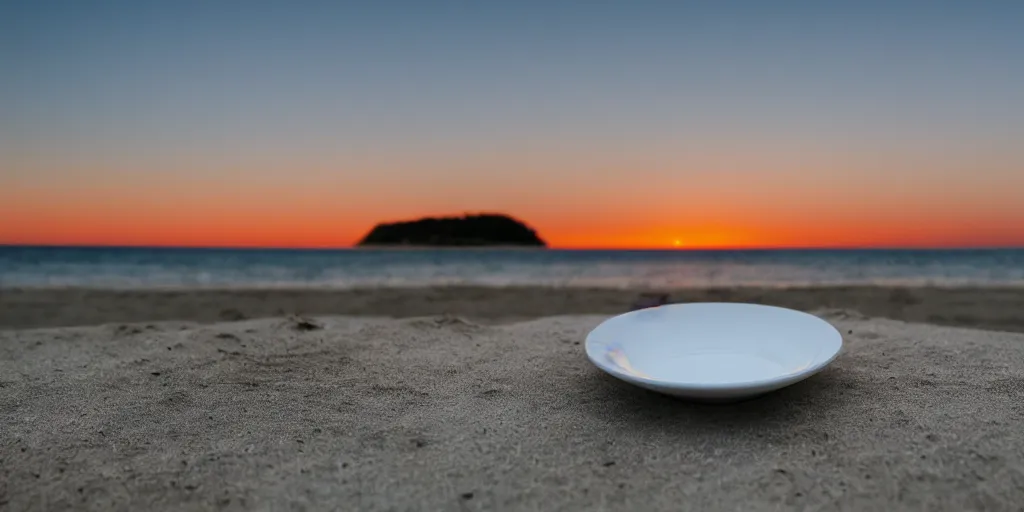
pixel 486 229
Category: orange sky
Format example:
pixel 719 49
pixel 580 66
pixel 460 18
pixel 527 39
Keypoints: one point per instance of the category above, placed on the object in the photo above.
pixel 324 229
pixel 606 200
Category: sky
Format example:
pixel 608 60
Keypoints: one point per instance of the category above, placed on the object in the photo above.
pixel 641 124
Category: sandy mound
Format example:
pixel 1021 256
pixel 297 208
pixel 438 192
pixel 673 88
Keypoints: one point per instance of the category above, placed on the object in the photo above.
pixel 447 414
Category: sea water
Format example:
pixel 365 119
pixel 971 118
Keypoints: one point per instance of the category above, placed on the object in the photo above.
pixel 223 268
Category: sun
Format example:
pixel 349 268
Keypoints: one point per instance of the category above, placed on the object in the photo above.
pixel 677 243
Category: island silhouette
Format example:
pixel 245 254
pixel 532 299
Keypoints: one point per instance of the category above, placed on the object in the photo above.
pixel 471 230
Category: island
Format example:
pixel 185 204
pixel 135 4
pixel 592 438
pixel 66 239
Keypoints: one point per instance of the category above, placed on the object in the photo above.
pixel 486 229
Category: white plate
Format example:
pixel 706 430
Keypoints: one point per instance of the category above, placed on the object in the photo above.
pixel 713 351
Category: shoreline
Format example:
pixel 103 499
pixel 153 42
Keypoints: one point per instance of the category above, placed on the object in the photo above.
pixel 983 307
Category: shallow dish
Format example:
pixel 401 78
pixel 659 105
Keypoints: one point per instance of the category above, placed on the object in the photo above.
pixel 713 351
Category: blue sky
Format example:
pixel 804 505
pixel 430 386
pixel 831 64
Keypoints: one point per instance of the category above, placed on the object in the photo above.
pixel 374 71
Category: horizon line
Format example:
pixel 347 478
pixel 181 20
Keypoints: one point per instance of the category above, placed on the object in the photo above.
pixel 765 248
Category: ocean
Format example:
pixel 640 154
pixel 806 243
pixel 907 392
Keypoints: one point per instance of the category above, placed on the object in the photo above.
pixel 105 267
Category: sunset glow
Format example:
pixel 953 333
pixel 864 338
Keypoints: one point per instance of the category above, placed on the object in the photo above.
pixel 774 202
pixel 695 127
pixel 303 227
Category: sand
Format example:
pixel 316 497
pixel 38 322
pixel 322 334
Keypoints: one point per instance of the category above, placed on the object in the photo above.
pixel 989 308
pixel 443 413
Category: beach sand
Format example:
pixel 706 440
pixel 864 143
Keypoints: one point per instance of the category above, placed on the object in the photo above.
pixel 987 308
pixel 445 413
